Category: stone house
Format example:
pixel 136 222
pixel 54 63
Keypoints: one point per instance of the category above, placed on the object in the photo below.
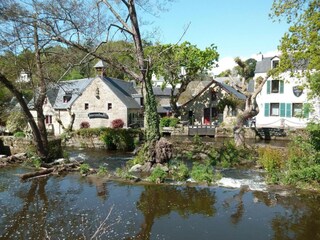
pixel 200 102
pixel 96 101
pixel 283 102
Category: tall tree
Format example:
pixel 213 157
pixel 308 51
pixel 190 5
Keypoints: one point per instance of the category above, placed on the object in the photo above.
pixel 300 46
pixel 181 64
pixel 251 109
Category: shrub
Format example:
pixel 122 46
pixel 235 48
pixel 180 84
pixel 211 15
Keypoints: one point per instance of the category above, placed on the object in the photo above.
pixel 120 139
pixel 158 175
pixel 102 170
pixel 169 122
pixel 16 121
pixel 229 155
pixel 117 123
pixel 314 133
pixel 202 172
pixel 19 135
pixel 272 161
pixel 36 161
pixel 84 168
pixel 84 124
pixel 180 172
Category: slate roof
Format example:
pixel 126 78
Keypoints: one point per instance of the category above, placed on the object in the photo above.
pixel 73 88
pixel 264 65
pixel 158 91
pixel 208 84
pixel 124 91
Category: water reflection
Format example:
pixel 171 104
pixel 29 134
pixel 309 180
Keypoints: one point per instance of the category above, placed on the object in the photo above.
pixel 72 207
pixel 157 201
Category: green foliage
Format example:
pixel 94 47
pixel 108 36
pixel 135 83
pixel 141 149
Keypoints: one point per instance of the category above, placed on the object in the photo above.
pixel 169 122
pixel 229 101
pixel 19 135
pixel 300 45
pixel 118 138
pixel 314 133
pixel 229 154
pixel 102 170
pixel 272 161
pixel 123 173
pixel 16 121
pixel 179 171
pixel 55 149
pixel 84 168
pixel 197 140
pixel 202 172
pixel 158 175
pixel 36 162
pixel 314 84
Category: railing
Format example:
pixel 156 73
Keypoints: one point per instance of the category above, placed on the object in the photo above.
pixel 201 130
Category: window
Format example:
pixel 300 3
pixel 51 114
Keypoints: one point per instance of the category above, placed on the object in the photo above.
pixel 48 119
pixel 109 106
pixel 274 109
pixel 66 98
pixel 86 106
pixel 275 63
pixel 275 86
pixel 142 101
pixel 297 109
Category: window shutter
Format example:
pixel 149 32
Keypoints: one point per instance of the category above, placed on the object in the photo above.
pixel 267 109
pixel 306 110
pixel 288 110
pixel 282 109
pixel 281 86
pixel 268 87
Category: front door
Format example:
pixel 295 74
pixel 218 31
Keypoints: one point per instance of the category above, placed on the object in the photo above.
pixel 206 116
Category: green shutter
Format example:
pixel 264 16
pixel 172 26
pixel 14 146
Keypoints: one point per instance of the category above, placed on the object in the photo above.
pixel 268 87
pixel 281 86
pixel 282 109
pixel 267 109
pixel 288 110
pixel 306 110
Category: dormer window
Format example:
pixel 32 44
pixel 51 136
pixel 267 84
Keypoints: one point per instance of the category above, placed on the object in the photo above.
pixel 66 98
pixel 275 63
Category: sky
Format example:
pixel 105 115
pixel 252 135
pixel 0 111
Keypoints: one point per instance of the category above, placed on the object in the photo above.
pixel 237 27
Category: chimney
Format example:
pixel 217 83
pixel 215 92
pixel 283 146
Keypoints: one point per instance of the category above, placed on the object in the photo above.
pixel 100 68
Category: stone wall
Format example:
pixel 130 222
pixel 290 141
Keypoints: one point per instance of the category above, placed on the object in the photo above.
pixel 11 145
pixel 85 142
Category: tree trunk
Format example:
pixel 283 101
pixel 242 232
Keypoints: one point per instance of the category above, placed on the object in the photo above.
pixel 35 130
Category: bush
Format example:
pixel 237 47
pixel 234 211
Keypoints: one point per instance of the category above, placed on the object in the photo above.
pixel 169 122
pixel 202 172
pixel 84 168
pixel 117 123
pixel 84 125
pixel 19 135
pixel 272 161
pixel 180 171
pixel 314 133
pixel 158 175
pixel 119 139
pixel 102 170
pixel 229 155
pixel 16 121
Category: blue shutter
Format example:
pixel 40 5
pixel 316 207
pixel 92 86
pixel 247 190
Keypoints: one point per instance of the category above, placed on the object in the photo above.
pixel 281 86
pixel 268 87
pixel 267 109
pixel 288 110
pixel 282 109
pixel 306 110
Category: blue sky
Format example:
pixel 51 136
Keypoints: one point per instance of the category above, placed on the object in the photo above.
pixel 237 27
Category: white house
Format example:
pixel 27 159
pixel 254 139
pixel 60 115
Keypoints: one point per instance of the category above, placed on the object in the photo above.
pixel 283 101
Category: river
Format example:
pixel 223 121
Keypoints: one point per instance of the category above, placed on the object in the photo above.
pixel 76 207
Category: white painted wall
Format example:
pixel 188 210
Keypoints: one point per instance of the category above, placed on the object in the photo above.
pixel 286 97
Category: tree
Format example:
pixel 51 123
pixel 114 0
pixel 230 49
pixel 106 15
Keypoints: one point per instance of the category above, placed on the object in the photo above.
pixel 246 71
pixel 300 46
pixel 180 64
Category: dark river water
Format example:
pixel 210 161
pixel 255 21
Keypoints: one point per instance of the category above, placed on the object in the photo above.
pixel 76 207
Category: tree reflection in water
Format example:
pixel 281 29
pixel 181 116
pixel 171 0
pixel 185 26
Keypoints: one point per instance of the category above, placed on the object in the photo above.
pixel 157 201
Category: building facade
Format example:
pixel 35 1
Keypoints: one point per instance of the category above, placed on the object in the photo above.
pixel 283 101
